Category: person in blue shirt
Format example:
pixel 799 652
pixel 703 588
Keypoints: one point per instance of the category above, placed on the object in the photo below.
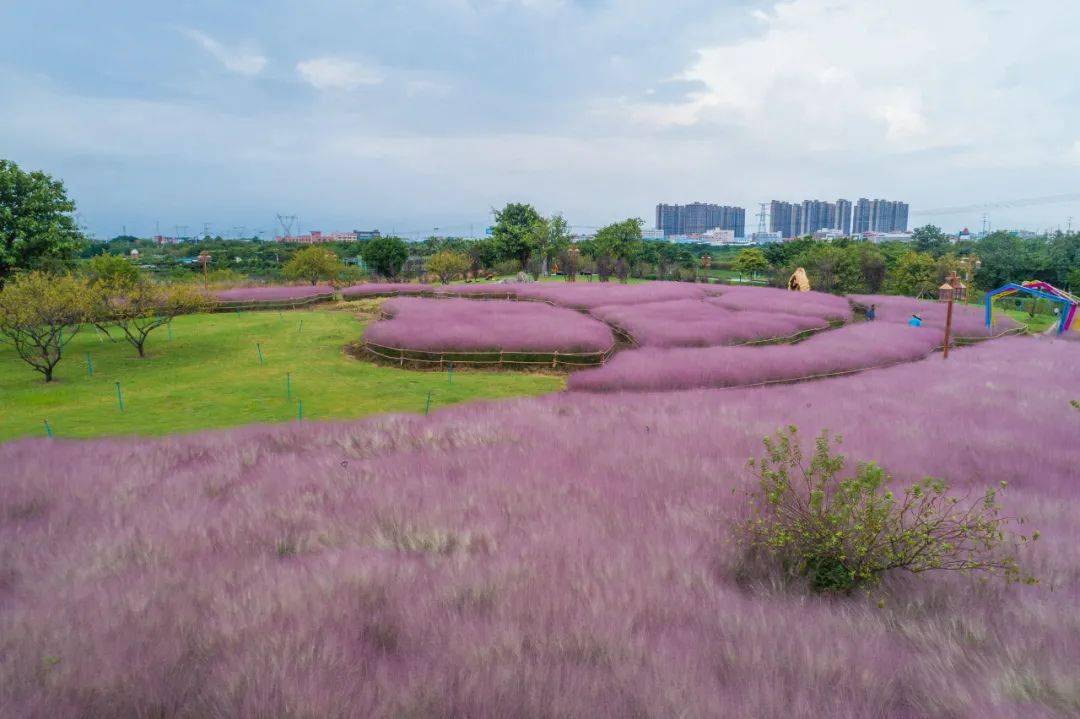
pixel 915 321
pixel 871 314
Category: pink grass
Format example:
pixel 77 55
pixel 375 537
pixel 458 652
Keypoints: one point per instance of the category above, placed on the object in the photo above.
pixel 696 323
pixel 438 325
pixel 849 348
pixel 968 320
pixel 770 299
pixel 562 556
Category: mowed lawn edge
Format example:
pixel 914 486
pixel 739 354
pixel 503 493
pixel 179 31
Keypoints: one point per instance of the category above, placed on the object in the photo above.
pixel 209 376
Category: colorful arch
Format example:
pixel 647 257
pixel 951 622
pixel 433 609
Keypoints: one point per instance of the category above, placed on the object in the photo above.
pixel 1038 288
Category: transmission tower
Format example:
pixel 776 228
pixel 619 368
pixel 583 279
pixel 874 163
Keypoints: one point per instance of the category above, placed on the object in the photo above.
pixel 287 222
pixel 763 217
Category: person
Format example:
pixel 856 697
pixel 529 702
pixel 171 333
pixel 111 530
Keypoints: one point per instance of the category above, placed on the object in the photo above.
pixel 871 314
pixel 915 321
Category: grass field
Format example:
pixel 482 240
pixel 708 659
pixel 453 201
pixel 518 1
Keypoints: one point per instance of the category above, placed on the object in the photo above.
pixel 209 375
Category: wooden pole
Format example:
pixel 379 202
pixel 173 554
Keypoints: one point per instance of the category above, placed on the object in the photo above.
pixel 948 329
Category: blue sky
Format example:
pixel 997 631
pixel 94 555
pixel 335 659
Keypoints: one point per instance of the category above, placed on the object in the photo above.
pixel 413 115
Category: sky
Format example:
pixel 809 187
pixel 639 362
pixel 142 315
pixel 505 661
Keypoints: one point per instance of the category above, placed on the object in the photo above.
pixel 412 116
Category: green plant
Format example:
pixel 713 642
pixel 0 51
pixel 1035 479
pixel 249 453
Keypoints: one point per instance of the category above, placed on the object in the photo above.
pixel 448 265
pixel 40 314
pixel 313 264
pixel 841 533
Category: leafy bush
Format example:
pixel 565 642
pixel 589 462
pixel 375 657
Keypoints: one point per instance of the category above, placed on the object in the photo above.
pixel 312 264
pixel 841 534
pixel 448 265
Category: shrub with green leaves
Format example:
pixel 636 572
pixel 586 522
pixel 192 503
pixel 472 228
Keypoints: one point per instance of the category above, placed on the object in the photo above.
pixel 842 531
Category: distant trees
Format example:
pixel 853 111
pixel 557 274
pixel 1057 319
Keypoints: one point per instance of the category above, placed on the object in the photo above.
pixel 448 265
pixel 111 268
pixel 40 314
pixel 313 264
pixel 914 275
pixel 37 222
pixel 750 262
pixel 929 238
pixel 618 244
pixel 385 256
pixel 519 232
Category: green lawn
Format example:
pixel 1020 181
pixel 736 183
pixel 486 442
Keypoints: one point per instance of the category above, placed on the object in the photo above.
pixel 209 375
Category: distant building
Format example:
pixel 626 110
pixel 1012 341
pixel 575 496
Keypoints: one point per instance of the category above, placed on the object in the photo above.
pixel 843 217
pixel 879 216
pixel 367 234
pixel 764 238
pixel 785 218
pixel 163 240
pixel 317 237
pixel 885 236
pixel 719 237
pixel 829 233
pixel 650 234
pixel 699 217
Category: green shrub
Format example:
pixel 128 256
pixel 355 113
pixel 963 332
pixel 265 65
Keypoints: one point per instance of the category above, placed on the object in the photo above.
pixel 840 533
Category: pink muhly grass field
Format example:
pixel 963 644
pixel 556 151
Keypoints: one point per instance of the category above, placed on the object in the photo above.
pixel 696 323
pixel 275 293
pixel 771 299
pixel 968 320
pixel 562 556
pixel 447 325
pixel 586 295
pixel 847 349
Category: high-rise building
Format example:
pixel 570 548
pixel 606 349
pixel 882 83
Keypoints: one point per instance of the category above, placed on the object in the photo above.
pixel 817 215
pixel 879 216
pixel 699 217
pixel 843 217
pixel 785 218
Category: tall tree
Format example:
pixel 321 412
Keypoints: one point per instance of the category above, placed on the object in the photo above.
pixel 313 264
pixel 448 265
pixel 518 232
pixel 37 221
pixel 750 262
pixel 915 275
pixel 929 238
pixel 41 313
pixel 619 242
pixel 385 256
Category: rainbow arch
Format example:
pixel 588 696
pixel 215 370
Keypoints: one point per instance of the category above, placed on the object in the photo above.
pixel 1038 288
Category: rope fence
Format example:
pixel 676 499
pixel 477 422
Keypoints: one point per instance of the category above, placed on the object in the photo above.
pixel 501 358
pixel 291 304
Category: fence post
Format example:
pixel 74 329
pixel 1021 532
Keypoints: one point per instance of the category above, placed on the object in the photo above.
pixel 299 410
pixel 500 359
pixel 401 357
pixel 119 396
pixel 258 347
pixel 89 365
pixel 554 359
pixel 48 428
pixel 427 406
pixel 288 386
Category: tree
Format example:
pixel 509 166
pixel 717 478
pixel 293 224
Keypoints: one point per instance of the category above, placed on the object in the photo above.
pixel 40 314
pixel 448 265
pixel 619 242
pixel 518 232
pixel 554 240
pixel 111 268
pixel 929 238
pixel 483 254
pixel 914 275
pixel 750 262
pixel 313 264
pixel 37 222
pixel 138 308
pixel 1072 281
pixel 385 256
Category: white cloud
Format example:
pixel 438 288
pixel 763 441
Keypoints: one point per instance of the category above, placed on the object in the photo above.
pixel 888 77
pixel 243 59
pixel 334 73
